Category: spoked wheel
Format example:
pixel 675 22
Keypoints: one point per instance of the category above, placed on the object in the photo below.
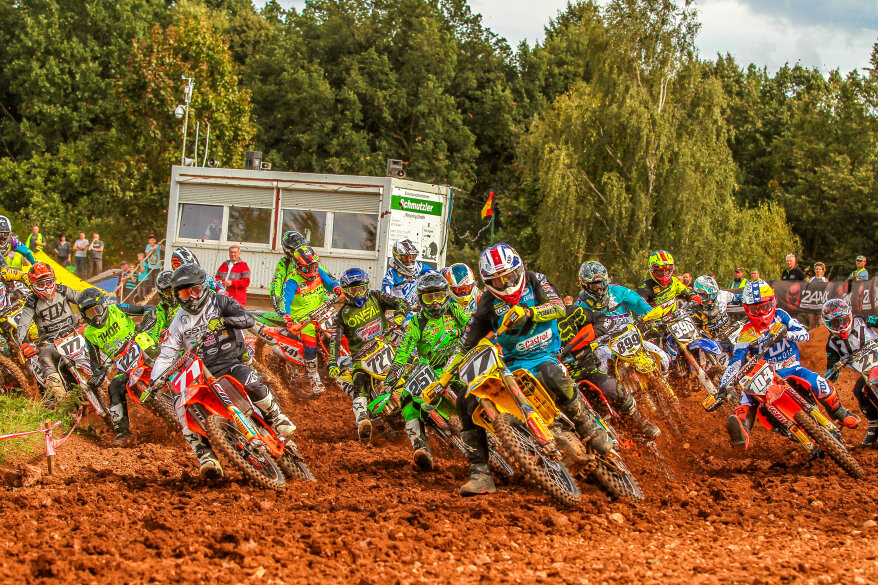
pixel 12 377
pixel 617 480
pixel 829 445
pixel 499 466
pixel 251 460
pixel 163 406
pixel 293 464
pixel 527 455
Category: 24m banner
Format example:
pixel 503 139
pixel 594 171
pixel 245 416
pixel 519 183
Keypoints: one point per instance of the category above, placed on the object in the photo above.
pixel 808 297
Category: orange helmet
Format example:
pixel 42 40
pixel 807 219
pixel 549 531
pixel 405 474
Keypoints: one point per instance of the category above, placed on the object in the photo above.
pixel 42 280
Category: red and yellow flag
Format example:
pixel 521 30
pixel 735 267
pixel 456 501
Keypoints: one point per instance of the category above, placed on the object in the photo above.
pixel 488 209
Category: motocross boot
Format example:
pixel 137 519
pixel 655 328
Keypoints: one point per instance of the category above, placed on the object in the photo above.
pixel 586 426
pixel 628 408
pixel 871 434
pixel 833 406
pixel 270 409
pixel 360 407
pixel 739 424
pixel 317 386
pixel 210 468
pixel 480 480
pixel 121 426
pixel 55 387
pixel 415 430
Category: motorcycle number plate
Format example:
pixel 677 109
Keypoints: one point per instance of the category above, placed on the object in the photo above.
pixel 71 346
pixel 378 362
pixel 129 359
pixel 683 330
pixel 186 377
pixel 761 381
pixel 868 362
pixel 481 363
pixel 627 343
pixel 419 378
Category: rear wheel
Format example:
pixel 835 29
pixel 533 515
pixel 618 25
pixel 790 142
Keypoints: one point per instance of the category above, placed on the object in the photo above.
pixel 835 449
pixel 527 455
pixel 12 377
pixel 251 460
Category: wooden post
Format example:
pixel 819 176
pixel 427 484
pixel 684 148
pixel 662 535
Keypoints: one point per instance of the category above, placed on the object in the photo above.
pixel 50 449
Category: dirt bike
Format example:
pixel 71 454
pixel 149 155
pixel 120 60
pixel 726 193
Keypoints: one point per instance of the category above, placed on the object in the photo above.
pixel 682 338
pixel 221 410
pixel 864 362
pixel 639 372
pixel 376 357
pixel 786 410
pixel 13 365
pixel 520 413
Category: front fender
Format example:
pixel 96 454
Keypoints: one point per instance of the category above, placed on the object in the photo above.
pixel 708 345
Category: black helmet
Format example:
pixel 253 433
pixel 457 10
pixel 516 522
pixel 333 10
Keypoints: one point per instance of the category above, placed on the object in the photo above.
pixel 595 282
pixel 355 283
pixel 92 307
pixel 189 287
pixel 182 256
pixel 292 240
pixel 433 293
pixel 163 286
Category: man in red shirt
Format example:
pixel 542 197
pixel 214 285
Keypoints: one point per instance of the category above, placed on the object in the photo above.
pixel 235 275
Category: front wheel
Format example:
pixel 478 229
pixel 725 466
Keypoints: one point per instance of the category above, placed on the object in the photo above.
pixel 251 460
pixel 12 376
pixel 293 464
pixel 527 455
pixel 617 480
pixel 829 445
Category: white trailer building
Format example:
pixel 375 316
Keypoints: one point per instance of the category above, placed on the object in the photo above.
pixel 348 220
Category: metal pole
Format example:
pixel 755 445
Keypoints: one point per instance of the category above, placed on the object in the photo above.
pixel 185 127
pixel 187 98
pixel 492 227
pixel 195 157
pixel 206 145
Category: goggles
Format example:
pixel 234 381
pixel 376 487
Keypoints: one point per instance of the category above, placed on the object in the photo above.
pixel 708 299
pixel 760 309
pixel 93 312
pixel 43 284
pixel 408 259
pixel 598 286
pixel 357 290
pixel 462 290
pixel 434 298
pixel 662 272
pixel 193 293
pixel 4 237
pixel 309 268
pixel 505 281
pixel 839 323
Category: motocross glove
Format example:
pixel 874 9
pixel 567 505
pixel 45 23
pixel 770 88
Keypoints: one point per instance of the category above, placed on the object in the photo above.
pixel 514 316
pixel 831 374
pixel 216 324
pixel 695 299
pixel 337 291
pixel 29 350
pixel 398 319
pixel 334 371
pixel 393 376
pixel 97 378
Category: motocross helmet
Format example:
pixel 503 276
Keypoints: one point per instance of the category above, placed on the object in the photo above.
pixel 355 284
pixel 461 282
pixel 307 262
pixel 595 282
pixel 405 256
pixel 661 267
pixel 42 280
pixel 433 294
pixel 706 287
pixel 163 286
pixel 182 256
pixel 92 308
pixel 292 240
pixel 5 233
pixel 837 317
pixel 759 303
pixel 190 287
pixel 502 270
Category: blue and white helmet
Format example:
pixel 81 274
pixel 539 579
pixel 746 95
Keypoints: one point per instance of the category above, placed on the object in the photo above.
pixel 405 256
pixel 502 271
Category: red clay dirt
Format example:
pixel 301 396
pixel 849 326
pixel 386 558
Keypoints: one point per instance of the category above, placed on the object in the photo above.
pixel 139 515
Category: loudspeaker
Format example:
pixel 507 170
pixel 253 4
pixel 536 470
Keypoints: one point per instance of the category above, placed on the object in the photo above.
pixel 395 168
pixel 253 161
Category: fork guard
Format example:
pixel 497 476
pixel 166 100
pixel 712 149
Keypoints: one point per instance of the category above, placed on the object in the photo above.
pixel 708 345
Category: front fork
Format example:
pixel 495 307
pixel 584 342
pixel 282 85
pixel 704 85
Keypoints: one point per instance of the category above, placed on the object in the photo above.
pixel 699 371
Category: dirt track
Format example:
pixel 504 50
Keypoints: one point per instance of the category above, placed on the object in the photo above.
pixel 137 515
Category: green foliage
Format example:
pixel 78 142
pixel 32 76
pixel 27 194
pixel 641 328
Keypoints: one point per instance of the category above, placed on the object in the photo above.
pixel 22 414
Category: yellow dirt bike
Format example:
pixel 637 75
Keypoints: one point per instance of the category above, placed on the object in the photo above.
pixel 14 368
pixel 533 435
pixel 639 372
pixel 375 359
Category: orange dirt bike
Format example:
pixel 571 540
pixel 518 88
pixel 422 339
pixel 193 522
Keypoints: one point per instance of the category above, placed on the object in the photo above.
pixel 286 339
pixel 220 410
pixel 788 410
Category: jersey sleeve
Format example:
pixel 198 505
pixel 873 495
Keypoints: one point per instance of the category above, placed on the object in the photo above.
pixel 329 283
pixel 387 283
pixel 409 343
pixel 276 289
pixel 25 251
pixel 291 287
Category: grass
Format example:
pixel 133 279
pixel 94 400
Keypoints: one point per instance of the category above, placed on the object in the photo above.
pixel 19 414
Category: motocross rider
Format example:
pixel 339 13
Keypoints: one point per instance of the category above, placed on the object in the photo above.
pixel 849 333
pixel 184 255
pixel 527 306
pixel 361 319
pixel 167 306
pixel 10 241
pixel 710 314
pixel 222 319
pixel 49 306
pixel 402 276
pixel 760 306
pixel 108 330
pixel 462 286
pixel 431 335
pixel 662 286
pixel 289 242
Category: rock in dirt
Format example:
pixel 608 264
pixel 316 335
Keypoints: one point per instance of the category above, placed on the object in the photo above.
pixel 870 524
pixel 28 475
pixel 617 518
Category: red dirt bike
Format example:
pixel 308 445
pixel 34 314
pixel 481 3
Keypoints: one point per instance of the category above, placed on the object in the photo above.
pixel 787 410
pixel 220 410
pixel 287 338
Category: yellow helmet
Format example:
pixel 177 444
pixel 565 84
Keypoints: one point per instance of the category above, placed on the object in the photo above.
pixel 661 267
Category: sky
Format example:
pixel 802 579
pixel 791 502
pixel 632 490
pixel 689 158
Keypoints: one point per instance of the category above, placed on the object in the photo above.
pixel 827 34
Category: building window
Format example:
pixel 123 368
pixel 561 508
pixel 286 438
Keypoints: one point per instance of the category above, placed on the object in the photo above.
pixel 311 224
pixel 355 231
pixel 201 222
pixel 249 224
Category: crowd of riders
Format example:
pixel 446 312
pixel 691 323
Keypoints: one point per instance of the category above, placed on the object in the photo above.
pixel 439 316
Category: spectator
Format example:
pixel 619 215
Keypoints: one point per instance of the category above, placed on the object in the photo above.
pixel 62 250
pixel 568 300
pixel 754 275
pixel 127 281
pixel 16 261
pixel 80 255
pixel 860 273
pixel 153 260
pixel 95 255
pixel 235 275
pixel 739 281
pixel 686 279
pixel 819 273
pixel 792 271
pixel 35 241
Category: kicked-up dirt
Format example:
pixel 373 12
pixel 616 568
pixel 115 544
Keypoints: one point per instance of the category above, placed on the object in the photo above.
pixel 140 515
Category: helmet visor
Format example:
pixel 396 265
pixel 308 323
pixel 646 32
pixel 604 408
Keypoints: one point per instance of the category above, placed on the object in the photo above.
pixel 463 290
pixel 193 293
pixel 760 309
pixel 434 297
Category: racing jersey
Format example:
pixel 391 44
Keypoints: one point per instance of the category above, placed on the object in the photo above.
pixel 117 330
pixel 164 315
pixel 433 339
pixel 402 286
pixel 52 316
pixel 656 294
pixel 860 335
pixel 363 324
pixel 221 349
pixel 718 324
pixel 783 354
pixel 301 296
pixel 533 342
pixel 16 246
pixel 622 302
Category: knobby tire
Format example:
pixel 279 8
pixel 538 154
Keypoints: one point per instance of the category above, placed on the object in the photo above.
pixel 19 380
pixel 226 438
pixel 829 445
pixel 617 485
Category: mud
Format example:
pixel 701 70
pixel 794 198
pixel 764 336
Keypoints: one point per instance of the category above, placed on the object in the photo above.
pixel 139 515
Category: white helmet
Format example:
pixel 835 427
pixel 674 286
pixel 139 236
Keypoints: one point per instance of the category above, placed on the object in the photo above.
pixel 405 256
pixel 502 271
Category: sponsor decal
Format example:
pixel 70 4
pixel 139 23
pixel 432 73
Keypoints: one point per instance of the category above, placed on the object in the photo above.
pixel 370 330
pixel 363 315
pixel 535 341
pixel 416 205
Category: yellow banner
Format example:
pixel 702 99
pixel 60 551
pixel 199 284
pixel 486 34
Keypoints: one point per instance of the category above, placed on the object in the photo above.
pixel 62 275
